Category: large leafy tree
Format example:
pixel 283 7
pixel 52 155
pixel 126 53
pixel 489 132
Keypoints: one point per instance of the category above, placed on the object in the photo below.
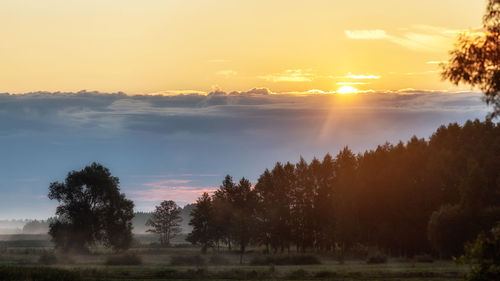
pixel 475 60
pixel 91 210
pixel 165 221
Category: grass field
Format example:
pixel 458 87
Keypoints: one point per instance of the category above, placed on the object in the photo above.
pixel 20 261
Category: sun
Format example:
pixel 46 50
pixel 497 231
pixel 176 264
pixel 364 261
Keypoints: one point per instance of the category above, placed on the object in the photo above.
pixel 347 90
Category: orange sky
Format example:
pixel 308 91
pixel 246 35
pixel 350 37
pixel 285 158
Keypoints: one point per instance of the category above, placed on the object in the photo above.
pixel 286 46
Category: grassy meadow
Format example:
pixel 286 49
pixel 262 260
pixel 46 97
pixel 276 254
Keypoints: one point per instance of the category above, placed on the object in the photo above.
pixel 33 258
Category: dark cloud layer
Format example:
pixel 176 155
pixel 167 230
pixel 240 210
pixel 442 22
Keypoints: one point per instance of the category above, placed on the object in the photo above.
pixel 43 135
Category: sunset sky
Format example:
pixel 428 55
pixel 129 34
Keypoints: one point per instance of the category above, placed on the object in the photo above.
pixel 159 45
pixel 173 95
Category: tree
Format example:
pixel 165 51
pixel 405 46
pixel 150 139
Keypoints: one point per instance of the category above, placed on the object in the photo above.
pixel 222 214
pixel 484 254
pixel 244 202
pixel 476 58
pixel 91 210
pixel 165 221
pixel 201 221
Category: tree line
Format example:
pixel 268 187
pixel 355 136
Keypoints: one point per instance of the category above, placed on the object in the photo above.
pixel 426 196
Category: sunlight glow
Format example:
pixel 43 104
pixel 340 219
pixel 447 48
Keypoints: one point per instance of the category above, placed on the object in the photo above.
pixel 347 90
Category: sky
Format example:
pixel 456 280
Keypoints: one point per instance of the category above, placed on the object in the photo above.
pixel 173 95
pixel 295 45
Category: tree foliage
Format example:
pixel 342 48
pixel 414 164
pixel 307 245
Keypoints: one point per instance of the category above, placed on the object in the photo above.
pixel 484 255
pixel 475 60
pixel 202 223
pixel 226 217
pixel 165 221
pixel 91 210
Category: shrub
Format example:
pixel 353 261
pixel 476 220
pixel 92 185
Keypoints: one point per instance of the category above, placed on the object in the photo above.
pixel 47 258
pixel 187 260
pixel 218 260
pixel 124 259
pixel 285 260
pixel 377 258
pixel 484 255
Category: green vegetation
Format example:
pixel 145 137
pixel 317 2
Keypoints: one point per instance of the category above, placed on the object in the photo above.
pixel 124 259
pixel 285 260
pixel 377 259
pixel 195 260
pixel 16 273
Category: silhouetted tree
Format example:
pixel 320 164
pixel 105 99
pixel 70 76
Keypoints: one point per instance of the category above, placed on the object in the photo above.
pixel 476 58
pixel 222 215
pixel 92 210
pixel 244 203
pixel 165 221
pixel 201 221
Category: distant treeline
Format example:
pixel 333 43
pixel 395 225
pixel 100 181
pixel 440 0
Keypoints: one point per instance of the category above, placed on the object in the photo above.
pixel 423 196
pixel 138 222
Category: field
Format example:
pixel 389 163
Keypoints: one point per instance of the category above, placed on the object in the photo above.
pixel 20 260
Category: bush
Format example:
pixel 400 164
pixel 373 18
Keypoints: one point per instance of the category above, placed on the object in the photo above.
pixel 218 260
pixel 377 259
pixel 484 255
pixel 124 259
pixel 47 258
pixel 423 258
pixel 285 260
pixel 187 260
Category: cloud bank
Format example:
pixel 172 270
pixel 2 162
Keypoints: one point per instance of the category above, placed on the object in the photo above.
pixel 417 38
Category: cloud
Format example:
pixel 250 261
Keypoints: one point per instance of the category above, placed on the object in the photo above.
pixel 290 75
pixel 194 114
pixel 176 93
pixel 160 191
pixel 167 182
pixel 417 38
